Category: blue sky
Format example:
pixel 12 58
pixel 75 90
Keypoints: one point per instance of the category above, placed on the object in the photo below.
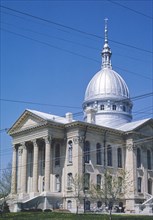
pixel 53 62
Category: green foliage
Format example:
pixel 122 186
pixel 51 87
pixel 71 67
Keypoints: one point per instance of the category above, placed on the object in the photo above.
pixel 5 181
pixel 69 216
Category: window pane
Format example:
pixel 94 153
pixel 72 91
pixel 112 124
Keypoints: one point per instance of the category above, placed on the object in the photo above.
pixel 70 152
pixel 57 155
pixel 87 181
pixel 69 180
pixel 98 154
pixel 109 155
pixel 57 183
pixel 139 184
pixel 138 158
pixel 98 181
pixel 149 159
pixel 87 152
pixel 119 155
pixel 69 204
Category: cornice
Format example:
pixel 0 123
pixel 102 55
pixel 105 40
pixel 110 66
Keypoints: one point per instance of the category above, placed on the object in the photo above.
pixel 93 127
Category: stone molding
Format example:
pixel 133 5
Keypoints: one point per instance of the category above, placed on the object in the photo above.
pixel 78 139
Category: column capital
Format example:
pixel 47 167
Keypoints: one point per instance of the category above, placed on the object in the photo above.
pixel 23 145
pixel 130 147
pixel 34 141
pixel 78 139
pixel 14 147
pixel 47 139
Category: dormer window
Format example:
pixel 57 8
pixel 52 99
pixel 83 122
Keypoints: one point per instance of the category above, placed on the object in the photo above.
pixel 102 107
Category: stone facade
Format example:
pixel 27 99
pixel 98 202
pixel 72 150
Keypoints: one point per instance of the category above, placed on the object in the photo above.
pixel 47 154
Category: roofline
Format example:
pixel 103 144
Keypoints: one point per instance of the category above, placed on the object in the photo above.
pixel 139 126
pixel 93 126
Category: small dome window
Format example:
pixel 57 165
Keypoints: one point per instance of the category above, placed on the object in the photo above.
pixel 114 107
pixel 124 108
pixel 102 107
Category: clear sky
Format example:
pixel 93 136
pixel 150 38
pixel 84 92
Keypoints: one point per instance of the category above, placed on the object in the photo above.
pixel 51 49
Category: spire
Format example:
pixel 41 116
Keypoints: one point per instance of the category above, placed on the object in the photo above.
pixel 106 31
pixel 106 52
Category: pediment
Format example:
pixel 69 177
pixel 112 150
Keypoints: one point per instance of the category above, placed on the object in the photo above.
pixel 26 121
pixel 146 129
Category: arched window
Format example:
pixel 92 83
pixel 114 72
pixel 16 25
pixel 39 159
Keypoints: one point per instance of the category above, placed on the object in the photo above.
pixel 138 158
pixel 99 204
pixel 150 186
pixel 109 155
pixel 139 184
pixel 119 157
pixel 69 204
pixel 149 159
pixel 70 151
pixel 98 181
pixel 69 181
pixel 57 183
pixel 86 181
pixel 109 183
pixel 57 155
pixel 98 153
pixel 87 205
pixel 102 107
pixel 114 107
pixel 87 152
pixel 120 182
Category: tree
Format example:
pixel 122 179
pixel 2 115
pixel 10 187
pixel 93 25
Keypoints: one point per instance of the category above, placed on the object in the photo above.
pixel 113 187
pixel 77 187
pixel 5 185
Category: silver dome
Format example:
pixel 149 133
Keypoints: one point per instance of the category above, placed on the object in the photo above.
pixel 106 84
pixel 107 99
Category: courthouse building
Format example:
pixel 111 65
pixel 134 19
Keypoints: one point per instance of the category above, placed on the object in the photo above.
pixel 49 150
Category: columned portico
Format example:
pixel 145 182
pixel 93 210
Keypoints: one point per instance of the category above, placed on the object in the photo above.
pixel 35 166
pixel 47 162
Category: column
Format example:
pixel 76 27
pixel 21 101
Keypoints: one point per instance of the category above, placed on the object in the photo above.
pixel 19 168
pixel 145 168
pixel 35 166
pixel 24 169
pixel 130 168
pixel 47 163
pixel 14 166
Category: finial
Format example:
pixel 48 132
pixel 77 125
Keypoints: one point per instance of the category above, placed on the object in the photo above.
pixel 106 37
pixel 106 52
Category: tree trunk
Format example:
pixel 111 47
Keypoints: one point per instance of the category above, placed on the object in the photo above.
pixel 77 209
pixel 110 214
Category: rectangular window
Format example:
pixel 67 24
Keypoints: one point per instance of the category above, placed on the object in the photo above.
pixel 98 182
pixel 87 181
pixel 139 184
pixel 87 152
pixel 57 155
pixel 69 181
pixel 138 158
pixel 70 152
pixel 109 155
pixel 57 183
pixel 119 157
pixel 98 154
pixel 149 159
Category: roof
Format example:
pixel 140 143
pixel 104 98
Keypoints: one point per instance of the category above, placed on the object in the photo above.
pixel 50 117
pixel 133 125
